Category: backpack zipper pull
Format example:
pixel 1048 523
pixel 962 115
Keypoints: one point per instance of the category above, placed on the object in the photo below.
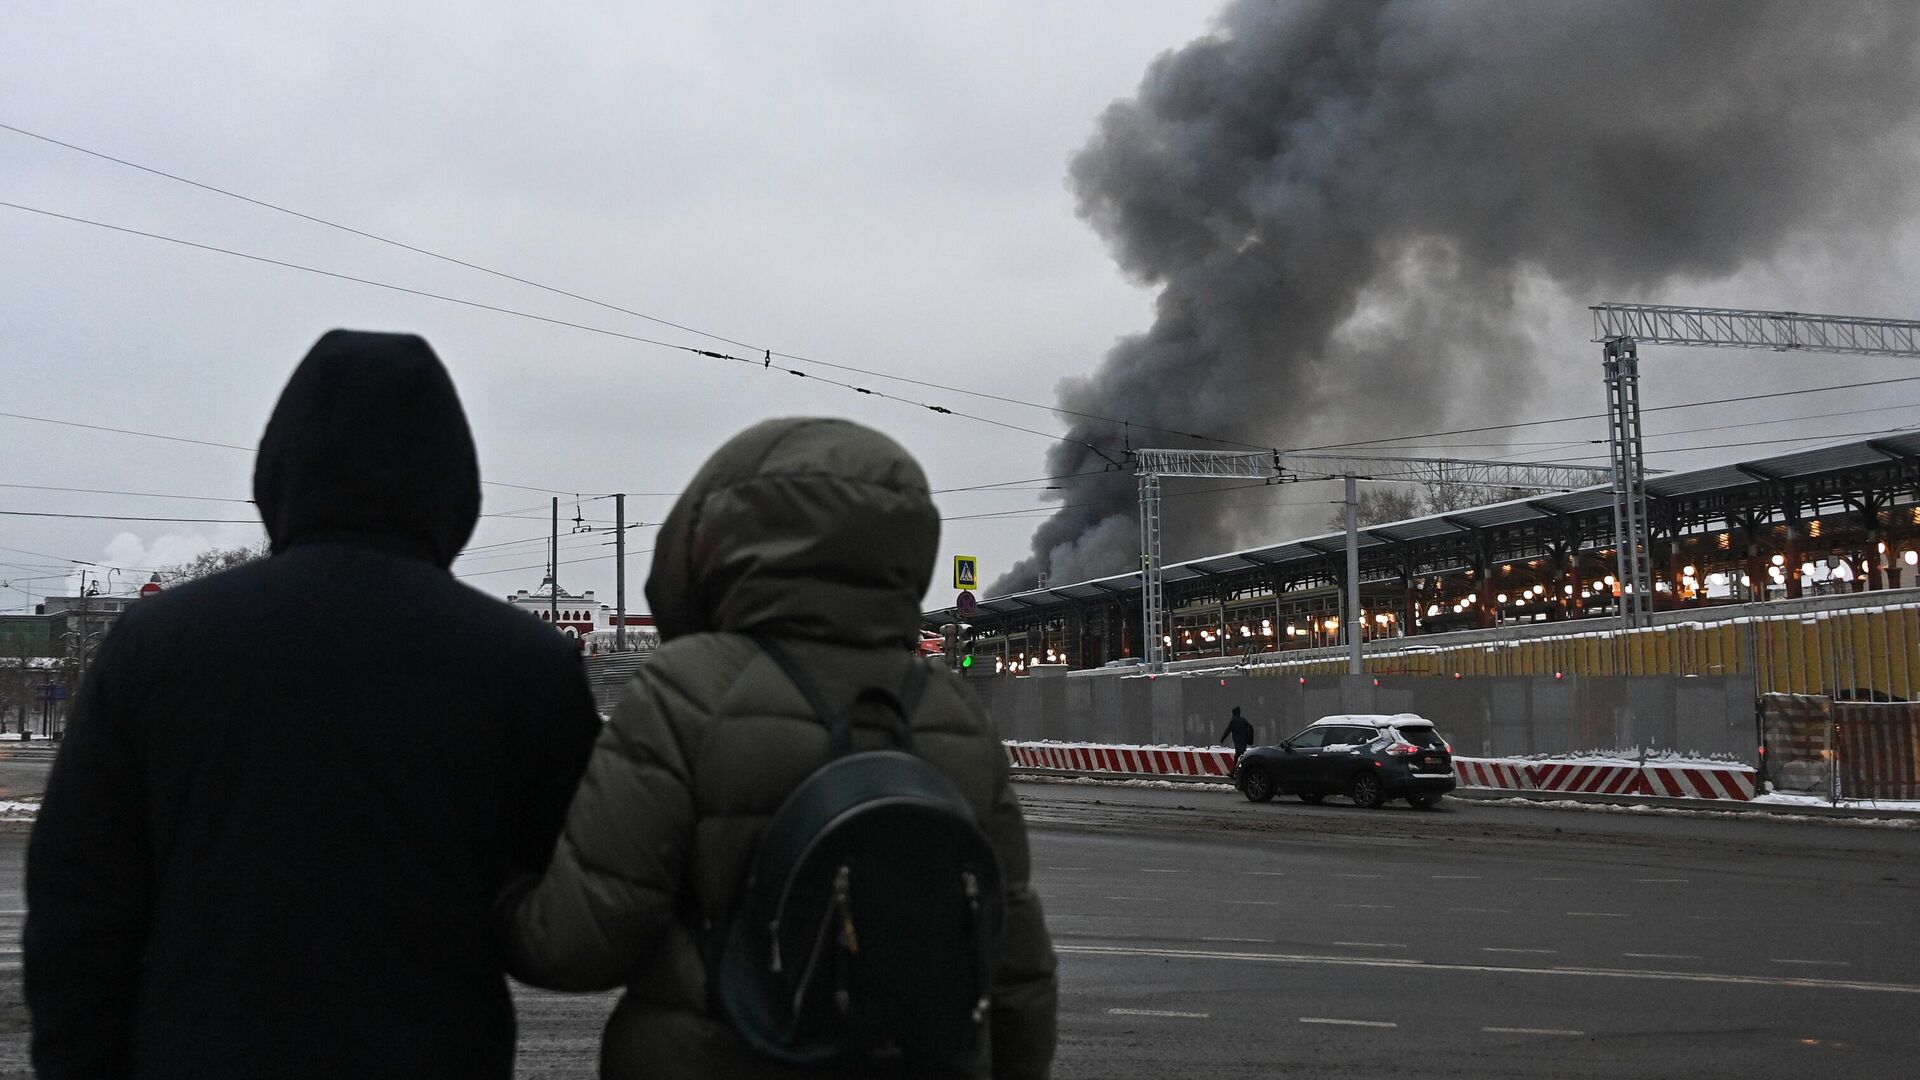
pixel 842 895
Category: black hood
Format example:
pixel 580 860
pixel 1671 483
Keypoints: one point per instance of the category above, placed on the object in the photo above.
pixel 369 442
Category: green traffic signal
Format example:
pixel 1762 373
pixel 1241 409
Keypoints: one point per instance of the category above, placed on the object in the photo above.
pixel 966 662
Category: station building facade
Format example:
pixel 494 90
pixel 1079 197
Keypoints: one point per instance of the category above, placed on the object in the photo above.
pixel 1831 529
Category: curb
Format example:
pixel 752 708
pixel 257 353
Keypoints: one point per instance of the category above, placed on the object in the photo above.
pixel 1708 805
pixel 1495 794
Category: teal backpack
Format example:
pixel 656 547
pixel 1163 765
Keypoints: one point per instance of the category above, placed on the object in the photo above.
pixel 872 914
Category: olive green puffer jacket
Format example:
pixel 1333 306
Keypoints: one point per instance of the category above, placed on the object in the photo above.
pixel 820 534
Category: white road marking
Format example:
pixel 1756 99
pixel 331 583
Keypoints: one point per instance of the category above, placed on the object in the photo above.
pixel 1817 963
pixel 1531 1031
pixel 1360 875
pixel 1456 877
pixel 1602 914
pixel 1481 910
pixel 1347 1023
pixel 1158 1012
pixel 1367 944
pixel 1794 982
pixel 1537 952
pixel 1660 956
pixel 1262 903
pixel 1375 907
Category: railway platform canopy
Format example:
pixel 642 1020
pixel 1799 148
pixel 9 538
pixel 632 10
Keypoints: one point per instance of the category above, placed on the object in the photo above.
pixel 1840 518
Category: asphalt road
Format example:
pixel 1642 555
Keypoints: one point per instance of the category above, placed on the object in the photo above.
pixel 1201 935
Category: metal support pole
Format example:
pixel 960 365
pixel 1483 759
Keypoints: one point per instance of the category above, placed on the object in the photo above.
pixel 1626 448
pixel 553 569
pixel 80 642
pixel 1353 575
pixel 620 573
pixel 1152 599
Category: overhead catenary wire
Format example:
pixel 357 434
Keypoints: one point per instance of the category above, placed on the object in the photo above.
pixel 764 362
pixel 766 352
pixel 1397 439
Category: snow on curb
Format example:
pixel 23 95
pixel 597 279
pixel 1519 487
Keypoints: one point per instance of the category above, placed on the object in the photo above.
pixel 1644 808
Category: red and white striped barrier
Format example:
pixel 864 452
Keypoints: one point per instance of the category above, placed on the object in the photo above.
pixel 1587 778
pixel 1129 760
pixel 1492 773
pixel 1700 781
pixel 1726 782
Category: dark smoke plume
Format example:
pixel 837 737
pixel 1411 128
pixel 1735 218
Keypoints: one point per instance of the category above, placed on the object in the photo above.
pixel 1343 204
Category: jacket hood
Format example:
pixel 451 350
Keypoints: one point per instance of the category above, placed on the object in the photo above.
pixel 368 442
pixel 799 528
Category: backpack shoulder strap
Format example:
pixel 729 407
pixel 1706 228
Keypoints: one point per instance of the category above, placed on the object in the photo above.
pixel 839 724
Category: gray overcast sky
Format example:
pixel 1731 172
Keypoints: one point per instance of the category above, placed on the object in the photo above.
pixel 875 184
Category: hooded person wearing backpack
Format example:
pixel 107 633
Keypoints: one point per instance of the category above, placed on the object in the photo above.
pixel 818 535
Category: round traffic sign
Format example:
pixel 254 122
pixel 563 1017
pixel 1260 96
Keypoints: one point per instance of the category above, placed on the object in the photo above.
pixel 965 605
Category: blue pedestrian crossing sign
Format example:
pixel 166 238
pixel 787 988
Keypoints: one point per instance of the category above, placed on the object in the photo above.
pixel 966 572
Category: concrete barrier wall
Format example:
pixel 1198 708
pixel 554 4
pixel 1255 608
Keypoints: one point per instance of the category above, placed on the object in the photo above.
pixel 1494 716
pixel 1678 780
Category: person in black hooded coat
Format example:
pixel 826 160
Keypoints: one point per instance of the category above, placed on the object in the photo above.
pixel 290 791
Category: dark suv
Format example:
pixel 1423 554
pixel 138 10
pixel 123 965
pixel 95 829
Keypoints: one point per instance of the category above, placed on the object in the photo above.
pixel 1369 759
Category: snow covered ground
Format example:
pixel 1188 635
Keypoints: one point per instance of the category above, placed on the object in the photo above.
pixel 1645 808
pixel 1783 798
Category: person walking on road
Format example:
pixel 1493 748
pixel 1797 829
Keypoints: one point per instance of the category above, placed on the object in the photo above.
pixel 292 791
pixel 1239 732
pixel 818 536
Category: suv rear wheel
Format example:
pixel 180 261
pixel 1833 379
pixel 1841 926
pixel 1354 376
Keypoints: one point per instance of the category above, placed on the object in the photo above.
pixel 1256 784
pixel 1365 791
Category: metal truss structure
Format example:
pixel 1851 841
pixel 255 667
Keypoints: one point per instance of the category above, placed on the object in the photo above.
pixel 1730 328
pixel 1280 467
pixel 1622 328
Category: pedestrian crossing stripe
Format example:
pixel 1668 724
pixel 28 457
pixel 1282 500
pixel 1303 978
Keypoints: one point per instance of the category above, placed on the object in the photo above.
pixel 966 572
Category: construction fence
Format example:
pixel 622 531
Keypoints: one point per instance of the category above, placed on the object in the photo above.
pixel 1862 646
pixel 1841 749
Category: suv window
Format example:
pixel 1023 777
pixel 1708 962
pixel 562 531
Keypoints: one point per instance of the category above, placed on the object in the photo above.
pixel 1349 736
pixel 1311 738
pixel 1424 736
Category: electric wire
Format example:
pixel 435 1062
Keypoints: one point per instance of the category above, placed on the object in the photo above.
pixel 765 362
pixel 767 353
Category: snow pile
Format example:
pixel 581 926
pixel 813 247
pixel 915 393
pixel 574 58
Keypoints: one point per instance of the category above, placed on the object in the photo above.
pixel 1636 755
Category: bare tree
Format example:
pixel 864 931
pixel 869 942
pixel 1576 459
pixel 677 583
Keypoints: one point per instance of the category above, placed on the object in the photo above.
pixel 1441 498
pixel 1379 505
pixel 211 562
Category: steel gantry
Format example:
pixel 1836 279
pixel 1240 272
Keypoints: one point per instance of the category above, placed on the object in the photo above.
pixel 1622 328
pixel 1280 467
